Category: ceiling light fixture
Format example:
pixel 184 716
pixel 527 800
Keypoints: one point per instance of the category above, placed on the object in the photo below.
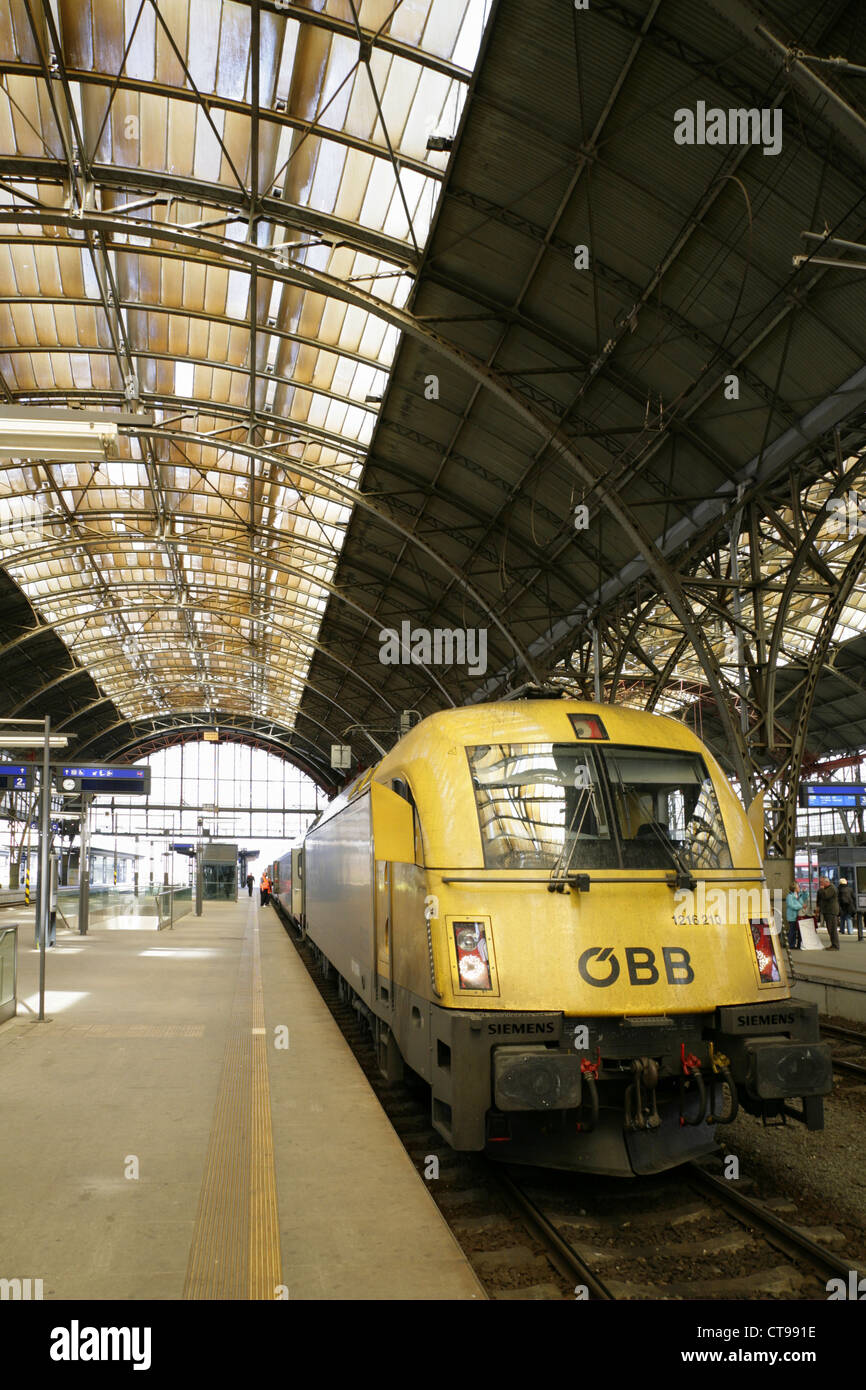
pixel 32 740
pixel 62 435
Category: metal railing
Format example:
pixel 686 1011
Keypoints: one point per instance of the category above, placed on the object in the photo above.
pixel 172 902
pixel 8 972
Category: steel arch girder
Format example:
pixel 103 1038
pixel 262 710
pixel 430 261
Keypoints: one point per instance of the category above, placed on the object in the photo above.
pixel 29 169
pixel 220 681
pixel 123 82
pixel 786 825
pixel 319 282
pixel 49 685
pixel 806 545
pixel 205 721
pixel 210 607
pixel 110 699
pixel 297 759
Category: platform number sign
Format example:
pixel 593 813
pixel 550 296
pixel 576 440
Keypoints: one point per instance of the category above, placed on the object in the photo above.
pixel 16 777
pixel 341 755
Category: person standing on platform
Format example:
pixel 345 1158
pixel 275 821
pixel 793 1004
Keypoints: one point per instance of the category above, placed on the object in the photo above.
pixel 847 907
pixel 250 884
pixel 828 906
pixel 266 889
pixel 793 908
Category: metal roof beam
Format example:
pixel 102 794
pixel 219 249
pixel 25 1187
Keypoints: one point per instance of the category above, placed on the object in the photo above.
pixel 84 615
pixel 260 375
pixel 117 701
pixel 193 724
pixel 297 429
pixel 836 112
pixel 180 311
pixel 324 19
pixel 207 718
pixel 549 428
pixel 324 226
pixel 125 83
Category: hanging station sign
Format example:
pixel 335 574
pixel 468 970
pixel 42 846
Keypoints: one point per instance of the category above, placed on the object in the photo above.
pixel 101 779
pixel 341 755
pixel 16 777
pixel 829 796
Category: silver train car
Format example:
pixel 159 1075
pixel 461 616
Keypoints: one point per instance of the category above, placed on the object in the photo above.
pixel 287 883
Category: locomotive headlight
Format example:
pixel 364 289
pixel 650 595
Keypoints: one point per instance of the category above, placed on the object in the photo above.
pixel 765 951
pixel 473 961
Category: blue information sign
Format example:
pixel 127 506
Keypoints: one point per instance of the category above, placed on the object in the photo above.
pixel 105 779
pixel 16 777
pixel 826 796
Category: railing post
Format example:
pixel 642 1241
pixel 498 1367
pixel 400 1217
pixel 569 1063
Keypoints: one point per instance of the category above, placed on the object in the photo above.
pixel 44 884
pixel 84 867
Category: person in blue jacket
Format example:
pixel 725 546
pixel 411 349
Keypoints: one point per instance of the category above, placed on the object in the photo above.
pixel 793 908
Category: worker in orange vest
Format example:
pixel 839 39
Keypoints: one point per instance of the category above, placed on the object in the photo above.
pixel 266 888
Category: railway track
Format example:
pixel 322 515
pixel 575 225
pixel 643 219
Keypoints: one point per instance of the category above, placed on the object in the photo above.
pixel 539 1234
pixel 650 1241
pixel 846 1037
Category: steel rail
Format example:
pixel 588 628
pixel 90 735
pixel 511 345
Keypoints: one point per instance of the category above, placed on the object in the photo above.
pixel 849 1068
pixel 835 1030
pixel 842 1064
pixel 550 1236
pixel 779 1233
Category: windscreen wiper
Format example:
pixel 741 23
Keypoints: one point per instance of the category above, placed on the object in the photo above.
pixel 684 874
pixel 559 874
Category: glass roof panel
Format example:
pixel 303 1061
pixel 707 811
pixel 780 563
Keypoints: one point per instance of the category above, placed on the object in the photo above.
pixel 190 571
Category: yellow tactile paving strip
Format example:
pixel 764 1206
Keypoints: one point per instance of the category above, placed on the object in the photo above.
pixel 265 1267
pixel 235 1247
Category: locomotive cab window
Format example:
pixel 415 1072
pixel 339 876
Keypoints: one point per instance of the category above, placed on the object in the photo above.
pixel 402 788
pixel 666 810
pixel 541 806
pixel 555 806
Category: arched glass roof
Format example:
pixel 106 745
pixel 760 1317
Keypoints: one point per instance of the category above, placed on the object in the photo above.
pixel 203 207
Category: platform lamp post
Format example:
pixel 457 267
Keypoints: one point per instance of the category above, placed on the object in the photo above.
pixel 23 739
pixel 198 870
pixel 44 886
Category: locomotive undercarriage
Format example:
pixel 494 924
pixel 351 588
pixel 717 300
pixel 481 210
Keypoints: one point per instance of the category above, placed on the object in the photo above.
pixel 636 1096
pixel 654 1092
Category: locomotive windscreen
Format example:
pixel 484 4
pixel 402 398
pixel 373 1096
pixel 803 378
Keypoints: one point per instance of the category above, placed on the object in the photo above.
pixel 664 802
pixel 538 801
pixel 555 806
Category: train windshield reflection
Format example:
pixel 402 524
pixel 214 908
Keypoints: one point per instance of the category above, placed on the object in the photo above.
pixel 666 809
pixel 556 806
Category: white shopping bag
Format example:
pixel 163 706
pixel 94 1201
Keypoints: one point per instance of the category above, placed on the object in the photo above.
pixel 809 935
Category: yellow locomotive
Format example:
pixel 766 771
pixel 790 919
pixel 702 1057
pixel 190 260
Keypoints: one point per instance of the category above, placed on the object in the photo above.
pixel 555 913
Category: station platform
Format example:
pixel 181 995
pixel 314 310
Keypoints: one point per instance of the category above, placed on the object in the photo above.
pixel 156 1144
pixel 834 980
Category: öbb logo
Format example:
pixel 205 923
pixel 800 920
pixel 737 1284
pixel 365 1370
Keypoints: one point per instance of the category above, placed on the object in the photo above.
pixel 640 963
